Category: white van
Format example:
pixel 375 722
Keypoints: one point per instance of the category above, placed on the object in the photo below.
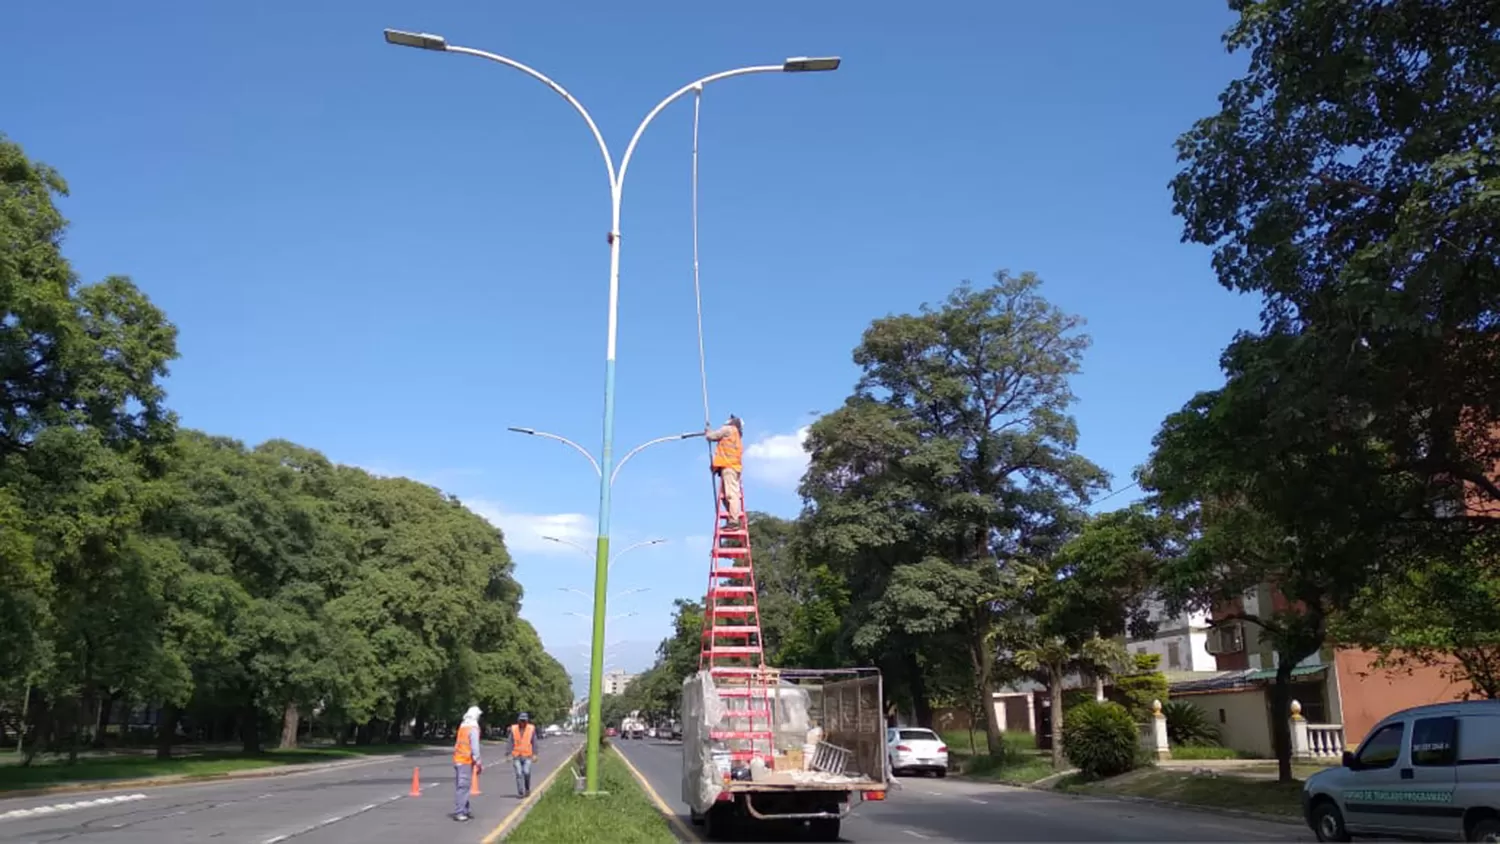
pixel 1429 772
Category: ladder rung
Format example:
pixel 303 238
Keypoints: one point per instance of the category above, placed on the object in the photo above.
pixel 741 691
pixel 734 553
pixel 735 669
pixel 747 713
pixel 732 590
pixel 733 571
pixel 734 650
pixel 735 629
pixel 741 734
pixel 732 609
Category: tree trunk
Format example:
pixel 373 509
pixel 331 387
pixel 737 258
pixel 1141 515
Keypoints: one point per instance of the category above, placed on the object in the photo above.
pixel 101 724
pixel 921 706
pixel 983 665
pixel 1281 724
pixel 1055 690
pixel 166 731
pixel 250 727
pixel 291 719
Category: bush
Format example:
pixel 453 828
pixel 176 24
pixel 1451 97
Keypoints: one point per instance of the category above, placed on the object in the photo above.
pixel 1138 688
pixel 1101 739
pixel 1189 726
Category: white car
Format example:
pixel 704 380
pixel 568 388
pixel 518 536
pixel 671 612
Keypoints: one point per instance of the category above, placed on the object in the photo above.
pixel 916 749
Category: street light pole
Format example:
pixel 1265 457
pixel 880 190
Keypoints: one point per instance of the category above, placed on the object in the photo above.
pixel 606 466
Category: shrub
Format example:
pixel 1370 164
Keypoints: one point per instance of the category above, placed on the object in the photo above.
pixel 1138 688
pixel 1189 726
pixel 1101 739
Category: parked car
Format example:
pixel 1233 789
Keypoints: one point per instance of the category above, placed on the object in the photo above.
pixel 916 749
pixel 610 732
pixel 1429 772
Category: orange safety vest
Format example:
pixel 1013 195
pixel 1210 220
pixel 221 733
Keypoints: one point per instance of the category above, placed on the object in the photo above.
pixel 728 452
pixel 462 753
pixel 521 739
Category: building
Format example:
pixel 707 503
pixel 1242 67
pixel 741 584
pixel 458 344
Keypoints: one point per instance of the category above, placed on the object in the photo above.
pixel 615 682
pixel 1340 691
pixel 1185 642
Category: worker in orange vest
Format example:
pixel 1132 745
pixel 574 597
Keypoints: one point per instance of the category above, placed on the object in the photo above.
pixel 727 464
pixel 466 762
pixel 522 752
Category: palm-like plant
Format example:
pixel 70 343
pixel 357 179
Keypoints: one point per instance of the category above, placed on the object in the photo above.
pixel 1052 658
pixel 1189 726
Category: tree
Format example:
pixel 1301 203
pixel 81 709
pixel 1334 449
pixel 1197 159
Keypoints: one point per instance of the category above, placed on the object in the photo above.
pixel 953 458
pixel 1350 178
pixel 1305 509
pixel 1443 613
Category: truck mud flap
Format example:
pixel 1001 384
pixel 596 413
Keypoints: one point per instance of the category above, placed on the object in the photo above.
pixel 795 816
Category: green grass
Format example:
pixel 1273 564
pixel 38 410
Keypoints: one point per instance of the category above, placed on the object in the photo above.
pixel 626 815
pixel 1222 792
pixel 48 770
pixel 1020 764
pixel 1191 753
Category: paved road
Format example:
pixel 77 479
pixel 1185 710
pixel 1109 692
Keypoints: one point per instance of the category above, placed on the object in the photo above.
pixel 364 803
pixel 929 809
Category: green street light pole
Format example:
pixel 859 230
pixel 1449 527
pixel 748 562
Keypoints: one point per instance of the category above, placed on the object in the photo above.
pixel 606 464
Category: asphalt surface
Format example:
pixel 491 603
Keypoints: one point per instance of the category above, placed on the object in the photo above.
pixel 362 803
pixel 931 809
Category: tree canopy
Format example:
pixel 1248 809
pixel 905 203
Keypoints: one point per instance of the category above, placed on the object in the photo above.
pixel 231 589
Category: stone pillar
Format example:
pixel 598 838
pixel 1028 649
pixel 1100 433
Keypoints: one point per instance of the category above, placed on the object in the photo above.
pixel 1163 747
pixel 1301 746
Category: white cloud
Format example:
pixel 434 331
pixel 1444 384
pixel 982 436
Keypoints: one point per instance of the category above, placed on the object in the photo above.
pixel 778 460
pixel 524 531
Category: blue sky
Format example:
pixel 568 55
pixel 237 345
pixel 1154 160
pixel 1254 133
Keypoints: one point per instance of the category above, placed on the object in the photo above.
pixel 391 254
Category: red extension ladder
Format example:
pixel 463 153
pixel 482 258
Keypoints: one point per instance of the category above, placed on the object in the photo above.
pixel 731 646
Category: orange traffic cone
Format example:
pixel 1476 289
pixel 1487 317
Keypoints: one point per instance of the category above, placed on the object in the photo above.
pixel 474 783
pixel 416 783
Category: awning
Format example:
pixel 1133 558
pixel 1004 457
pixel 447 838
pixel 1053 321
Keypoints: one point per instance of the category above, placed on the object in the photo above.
pixel 1269 674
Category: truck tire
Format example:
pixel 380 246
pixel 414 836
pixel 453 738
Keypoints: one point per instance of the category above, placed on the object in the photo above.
pixel 718 822
pixel 823 829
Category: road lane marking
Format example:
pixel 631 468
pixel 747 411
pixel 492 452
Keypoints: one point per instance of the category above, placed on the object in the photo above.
pixel 913 833
pixel 16 814
pixel 977 800
pixel 536 794
pixel 683 832
pixel 330 821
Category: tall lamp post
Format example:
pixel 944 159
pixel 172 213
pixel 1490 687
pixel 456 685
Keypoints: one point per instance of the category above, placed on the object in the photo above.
pixel 605 465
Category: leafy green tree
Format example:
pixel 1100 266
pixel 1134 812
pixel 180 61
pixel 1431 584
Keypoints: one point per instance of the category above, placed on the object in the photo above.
pixel 953 458
pixel 1350 178
pixel 1443 613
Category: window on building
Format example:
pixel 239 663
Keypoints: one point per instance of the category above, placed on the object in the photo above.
pixel 1174 655
pixel 1140 651
pixel 1434 742
pixel 1382 748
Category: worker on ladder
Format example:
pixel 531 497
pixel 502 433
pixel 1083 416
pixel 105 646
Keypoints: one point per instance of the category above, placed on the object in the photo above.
pixel 727 464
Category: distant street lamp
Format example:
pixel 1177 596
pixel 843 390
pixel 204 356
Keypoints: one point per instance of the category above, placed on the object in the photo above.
pixel 646 543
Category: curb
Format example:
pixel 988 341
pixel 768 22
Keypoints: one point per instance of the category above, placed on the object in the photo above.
pixel 685 833
pixel 510 822
pixel 1172 804
pixel 180 779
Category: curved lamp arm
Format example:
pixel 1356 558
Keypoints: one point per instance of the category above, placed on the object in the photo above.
pixel 643 446
pixel 532 432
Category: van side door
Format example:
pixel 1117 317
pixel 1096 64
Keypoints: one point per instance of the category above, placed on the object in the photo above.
pixel 1372 777
pixel 1428 777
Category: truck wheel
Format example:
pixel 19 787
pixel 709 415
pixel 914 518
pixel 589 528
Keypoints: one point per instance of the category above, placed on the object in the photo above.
pixel 717 823
pixel 824 829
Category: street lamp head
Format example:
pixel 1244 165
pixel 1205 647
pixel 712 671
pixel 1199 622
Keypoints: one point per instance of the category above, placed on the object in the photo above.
pixel 531 431
pixel 421 40
pixel 805 64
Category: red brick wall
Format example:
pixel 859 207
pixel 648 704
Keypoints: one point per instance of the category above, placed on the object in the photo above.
pixel 1367 699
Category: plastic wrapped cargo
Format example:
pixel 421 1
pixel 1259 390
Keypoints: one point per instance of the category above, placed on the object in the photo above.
pixel 703 765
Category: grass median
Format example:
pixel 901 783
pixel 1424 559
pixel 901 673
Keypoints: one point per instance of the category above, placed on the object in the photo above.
pixel 52 771
pixel 626 815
